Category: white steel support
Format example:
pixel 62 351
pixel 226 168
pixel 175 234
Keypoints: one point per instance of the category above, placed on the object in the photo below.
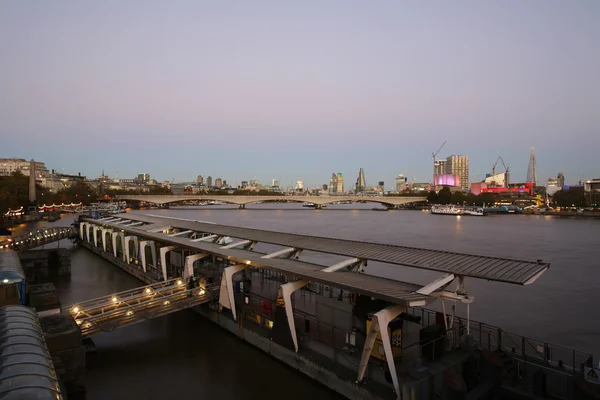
pixel 104 232
pixel 180 233
pixel 114 243
pixel 143 245
pixel 287 290
pixel 341 265
pixel 279 253
pixel 236 244
pixel 95 233
pixel 163 259
pixel 188 271
pixel 205 238
pixel 89 228
pixel 226 294
pixel 379 325
pixel 134 224
pixel 82 227
pixel 127 252
pixel 437 284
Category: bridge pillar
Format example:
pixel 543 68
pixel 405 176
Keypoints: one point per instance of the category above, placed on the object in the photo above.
pixel 242 207
pixel 188 271
pixel 163 259
pixel 114 243
pixel 127 252
pixel 143 245
pixel 226 294
pixel 379 325
pixel 318 206
pixel 287 290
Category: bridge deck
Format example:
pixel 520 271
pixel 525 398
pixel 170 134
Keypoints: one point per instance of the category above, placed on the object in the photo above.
pixel 506 270
pixel 40 237
pixel 107 313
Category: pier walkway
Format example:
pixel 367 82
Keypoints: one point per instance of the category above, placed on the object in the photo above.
pixel 40 237
pixel 129 307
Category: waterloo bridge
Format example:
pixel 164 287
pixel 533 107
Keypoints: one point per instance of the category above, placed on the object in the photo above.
pixel 242 201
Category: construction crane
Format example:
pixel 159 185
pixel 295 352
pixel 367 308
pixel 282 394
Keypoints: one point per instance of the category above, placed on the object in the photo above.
pixel 505 170
pixel 433 155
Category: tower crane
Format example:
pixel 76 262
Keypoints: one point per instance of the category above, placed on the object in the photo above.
pixel 433 155
pixel 505 169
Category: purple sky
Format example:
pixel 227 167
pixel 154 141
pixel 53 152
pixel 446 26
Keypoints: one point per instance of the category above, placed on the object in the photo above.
pixel 274 90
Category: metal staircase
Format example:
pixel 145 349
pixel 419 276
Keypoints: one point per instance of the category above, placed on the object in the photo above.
pixel 107 313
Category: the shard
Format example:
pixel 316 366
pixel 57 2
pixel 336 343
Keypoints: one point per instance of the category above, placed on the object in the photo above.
pixel 532 175
pixel 361 186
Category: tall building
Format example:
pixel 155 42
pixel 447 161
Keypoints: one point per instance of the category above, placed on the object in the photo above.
pixel 459 165
pixel 209 181
pixel 274 183
pixel 10 165
pixel 439 167
pixel 380 187
pixel 218 183
pixel 336 183
pixel 401 183
pixel 144 178
pixel 361 186
pixel 561 179
pixel 200 180
pixel 299 184
pixel 532 175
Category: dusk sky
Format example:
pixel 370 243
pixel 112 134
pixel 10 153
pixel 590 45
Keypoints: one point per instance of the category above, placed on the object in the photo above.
pixel 276 89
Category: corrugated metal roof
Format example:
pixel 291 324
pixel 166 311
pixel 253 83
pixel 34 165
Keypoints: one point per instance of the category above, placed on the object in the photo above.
pixel 26 370
pixel 10 266
pixel 386 289
pixel 500 269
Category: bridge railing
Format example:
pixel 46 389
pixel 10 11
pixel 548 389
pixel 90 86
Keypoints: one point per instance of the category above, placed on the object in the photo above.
pixel 136 305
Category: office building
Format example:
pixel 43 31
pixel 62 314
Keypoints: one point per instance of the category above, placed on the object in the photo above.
pixel 459 165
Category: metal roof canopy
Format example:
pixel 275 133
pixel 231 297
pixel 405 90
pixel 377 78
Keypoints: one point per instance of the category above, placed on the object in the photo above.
pixel 507 270
pixel 27 370
pixel 10 266
pixel 382 288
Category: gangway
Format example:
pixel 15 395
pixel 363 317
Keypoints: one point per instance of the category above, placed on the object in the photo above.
pixel 107 313
pixel 40 237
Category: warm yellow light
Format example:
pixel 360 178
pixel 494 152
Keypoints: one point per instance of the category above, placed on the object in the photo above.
pixel 167 302
pixel 78 321
pixel 75 309
pixel 114 299
pixel 179 282
pixel 129 313
pixel 148 290
pixel 201 292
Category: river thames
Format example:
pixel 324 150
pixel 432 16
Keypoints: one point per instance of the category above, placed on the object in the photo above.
pixel 185 356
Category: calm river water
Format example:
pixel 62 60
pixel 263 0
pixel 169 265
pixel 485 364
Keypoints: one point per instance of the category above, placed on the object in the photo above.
pixel 184 356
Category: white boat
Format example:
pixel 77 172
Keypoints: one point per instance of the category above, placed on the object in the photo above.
pixel 446 210
pixel 478 212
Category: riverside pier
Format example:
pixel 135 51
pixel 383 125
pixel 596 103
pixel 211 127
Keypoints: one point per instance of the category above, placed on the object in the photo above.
pixel 363 336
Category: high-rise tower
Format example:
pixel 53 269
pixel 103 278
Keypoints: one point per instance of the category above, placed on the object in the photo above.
pixel 361 186
pixel 532 175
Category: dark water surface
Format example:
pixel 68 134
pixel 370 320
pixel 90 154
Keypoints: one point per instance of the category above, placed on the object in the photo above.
pixel 184 356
